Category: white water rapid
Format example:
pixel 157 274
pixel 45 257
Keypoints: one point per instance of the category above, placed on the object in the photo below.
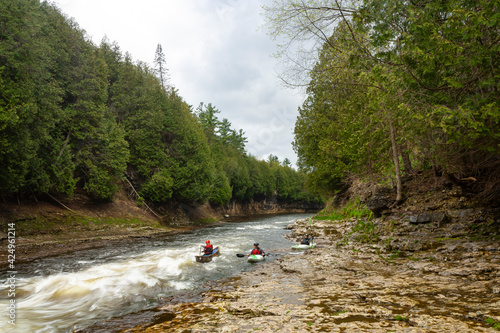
pixel 63 293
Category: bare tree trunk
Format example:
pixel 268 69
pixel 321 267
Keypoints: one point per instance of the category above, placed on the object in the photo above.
pixel 399 184
pixel 406 158
pixel 370 166
pixel 372 179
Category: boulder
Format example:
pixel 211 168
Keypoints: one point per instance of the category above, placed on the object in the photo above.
pixel 441 218
pixel 378 204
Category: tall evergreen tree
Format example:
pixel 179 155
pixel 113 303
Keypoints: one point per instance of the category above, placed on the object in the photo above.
pixel 160 66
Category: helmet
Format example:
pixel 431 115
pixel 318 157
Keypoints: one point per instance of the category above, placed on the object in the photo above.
pixel 207 242
pixel 255 244
pixel 307 235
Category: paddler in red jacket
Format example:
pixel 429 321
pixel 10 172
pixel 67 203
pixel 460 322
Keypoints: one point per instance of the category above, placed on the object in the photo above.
pixel 257 250
pixel 208 248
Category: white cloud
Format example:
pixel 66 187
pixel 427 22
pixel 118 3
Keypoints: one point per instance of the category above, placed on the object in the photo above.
pixel 215 54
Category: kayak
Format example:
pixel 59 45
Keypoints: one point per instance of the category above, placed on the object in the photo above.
pixel 208 257
pixel 256 258
pixel 304 246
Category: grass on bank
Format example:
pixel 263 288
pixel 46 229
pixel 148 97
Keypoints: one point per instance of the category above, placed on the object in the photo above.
pixel 352 209
pixel 493 323
pixel 58 223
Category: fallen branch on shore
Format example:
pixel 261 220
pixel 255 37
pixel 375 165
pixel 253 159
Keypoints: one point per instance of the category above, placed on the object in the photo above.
pixel 138 196
pixel 59 202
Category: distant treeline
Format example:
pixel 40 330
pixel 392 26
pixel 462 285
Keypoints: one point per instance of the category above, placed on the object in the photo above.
pixel 398 86
pixel 76 116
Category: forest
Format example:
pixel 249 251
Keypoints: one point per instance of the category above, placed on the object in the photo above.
pixel 396 88
pixel 76 117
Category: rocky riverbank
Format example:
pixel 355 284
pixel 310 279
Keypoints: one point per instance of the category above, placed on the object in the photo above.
pixel 397 274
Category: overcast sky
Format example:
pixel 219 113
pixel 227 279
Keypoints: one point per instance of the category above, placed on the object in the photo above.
pixel 215 53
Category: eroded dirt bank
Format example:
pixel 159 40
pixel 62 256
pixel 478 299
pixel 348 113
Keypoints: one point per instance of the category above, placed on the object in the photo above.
pixel 388 275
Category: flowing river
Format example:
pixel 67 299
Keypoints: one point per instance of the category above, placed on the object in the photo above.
pixel 60 294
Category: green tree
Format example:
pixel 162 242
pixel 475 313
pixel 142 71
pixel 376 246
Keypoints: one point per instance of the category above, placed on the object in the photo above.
pixel 340 129
pixel 422 73
pixel 238 140
pixel 138 103
pixel 100 150
pixel 160 66
pixel 222 191
pixel 74 115
pixel 190 160
pixel 445 54
pixel 159 187
pixel 273 159
pixel 208 119
pixel 237 172
pixel 229 136
pixel 30 99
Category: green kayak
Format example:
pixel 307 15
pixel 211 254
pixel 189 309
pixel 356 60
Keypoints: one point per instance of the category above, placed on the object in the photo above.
pixel 304 246
pixel 256 258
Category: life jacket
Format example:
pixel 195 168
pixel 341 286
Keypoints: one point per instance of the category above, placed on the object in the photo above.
pixel 256 251
pixel 209 249
pixel 305 241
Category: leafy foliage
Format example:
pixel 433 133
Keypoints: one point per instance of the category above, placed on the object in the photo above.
pixel 394 81
pixel 74 115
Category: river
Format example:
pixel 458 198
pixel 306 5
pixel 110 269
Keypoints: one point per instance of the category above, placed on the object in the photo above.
pixel 60 294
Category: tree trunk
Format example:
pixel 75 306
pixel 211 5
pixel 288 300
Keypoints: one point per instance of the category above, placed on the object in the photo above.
pixel 372 179
pixel 399 184
pixel 406 158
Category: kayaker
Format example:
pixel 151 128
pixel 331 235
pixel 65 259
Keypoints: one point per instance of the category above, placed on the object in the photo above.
pixel 306 240
pixel 257 250
pixel 208 248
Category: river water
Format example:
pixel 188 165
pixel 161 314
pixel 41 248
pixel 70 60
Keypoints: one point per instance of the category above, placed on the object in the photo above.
pixel 60 294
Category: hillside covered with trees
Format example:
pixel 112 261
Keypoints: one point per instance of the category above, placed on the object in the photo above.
pixel 396 88
pixel 78 117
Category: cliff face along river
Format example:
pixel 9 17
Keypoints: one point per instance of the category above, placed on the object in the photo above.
pixel 60 294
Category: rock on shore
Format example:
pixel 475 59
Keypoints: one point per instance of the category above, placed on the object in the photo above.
pixel 358 279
